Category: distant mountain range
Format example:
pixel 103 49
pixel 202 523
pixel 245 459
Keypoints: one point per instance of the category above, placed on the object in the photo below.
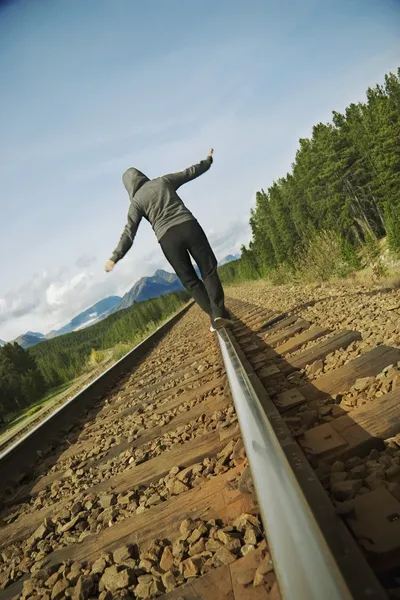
pixel 229 258
pixel 90 316
pixel 159 284
pixel 29 338
pixel 145 288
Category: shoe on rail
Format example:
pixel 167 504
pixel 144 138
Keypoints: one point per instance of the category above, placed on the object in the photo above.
pixel 220 322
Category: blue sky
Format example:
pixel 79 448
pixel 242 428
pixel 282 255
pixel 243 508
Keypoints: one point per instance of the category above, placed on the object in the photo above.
pixel 92 88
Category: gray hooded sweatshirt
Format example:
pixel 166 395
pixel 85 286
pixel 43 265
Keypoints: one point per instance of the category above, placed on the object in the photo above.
pixel 157 201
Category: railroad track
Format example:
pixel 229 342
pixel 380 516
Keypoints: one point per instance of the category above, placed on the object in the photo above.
pixel 140 487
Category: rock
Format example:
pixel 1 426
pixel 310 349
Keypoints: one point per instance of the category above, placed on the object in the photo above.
pixel 245 577
pixel 58 591
pixel 146 578
pixel 239 452
pixel 28 588
pixel 114 580
pixel 76 508
pixel 146 563
pixel 148 590
pixel 83 588
pixel 358 472
pixel 316 366
pixel 191 566
pixel 374 454
pixel 246 549
pixel 374 481
pixel 258 579
pixel 73 576
pixel 120 555
pixel 346 490
pixel 198 547
pixel 187 526
pixel 224 455
pixel 178 548
pixel 393 473
pixel 325 411
pixel 309 418
pixel 337 467
pixel 52 580
pixel 40 533
pixel 169 581
pixel 385 461
pixel 126 499
pixel 107 500
pixel 352 462
pixel 153 499
pixel 223 557
pixel 242 522
pixel 362 383
pixel 250 536
pixel 71 524
pixel 213 545
pixel 337 411
pixel 230 541
pixel 185 473
pixel 99 566
pixel 197 534
pixel 179 487
pixel 338 476
pixel 167 559
pixel 265 566
pixel 143 590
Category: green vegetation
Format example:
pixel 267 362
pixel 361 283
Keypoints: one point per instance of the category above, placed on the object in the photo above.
pixel 341 196
pixel 26 375
pixel 120 350
pixel 21 382
pixel 64 358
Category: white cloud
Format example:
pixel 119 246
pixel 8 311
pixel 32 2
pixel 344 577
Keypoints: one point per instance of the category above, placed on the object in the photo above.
pixel 229 241
pixel 85 261
pixel 59 293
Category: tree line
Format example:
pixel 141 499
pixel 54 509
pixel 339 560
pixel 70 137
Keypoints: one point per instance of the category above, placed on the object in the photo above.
pixel 344 180
pixel 21 381
pixel 25 375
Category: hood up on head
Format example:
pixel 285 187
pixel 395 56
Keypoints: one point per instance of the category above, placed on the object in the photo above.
pixel 133 180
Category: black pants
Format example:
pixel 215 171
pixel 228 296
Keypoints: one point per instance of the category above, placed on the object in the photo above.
pixel 179 244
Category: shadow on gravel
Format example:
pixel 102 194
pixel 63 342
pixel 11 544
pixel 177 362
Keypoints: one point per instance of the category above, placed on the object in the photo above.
pixel 304 408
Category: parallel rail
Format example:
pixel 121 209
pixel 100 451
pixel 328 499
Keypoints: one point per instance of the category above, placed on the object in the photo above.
pixel 26 450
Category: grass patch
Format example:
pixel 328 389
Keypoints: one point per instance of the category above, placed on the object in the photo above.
pixel 18 418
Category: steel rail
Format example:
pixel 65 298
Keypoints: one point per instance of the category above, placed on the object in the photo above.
pixel 305 566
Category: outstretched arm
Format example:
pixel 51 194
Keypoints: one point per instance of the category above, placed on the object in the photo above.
pixel 127 237
pixel 178 179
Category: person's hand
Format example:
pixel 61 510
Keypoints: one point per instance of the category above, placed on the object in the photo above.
pixel 109 266
pixel 209 155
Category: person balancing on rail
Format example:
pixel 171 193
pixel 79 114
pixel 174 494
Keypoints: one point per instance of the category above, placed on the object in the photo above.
pixel 179 234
